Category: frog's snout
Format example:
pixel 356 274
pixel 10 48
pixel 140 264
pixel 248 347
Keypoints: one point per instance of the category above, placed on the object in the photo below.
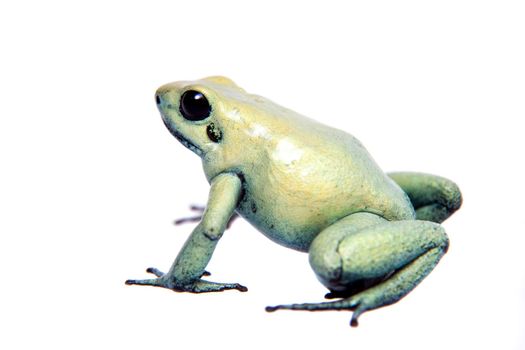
pixel 162 96
pixel 163 101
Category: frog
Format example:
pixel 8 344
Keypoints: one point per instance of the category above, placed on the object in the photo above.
pixel 371 237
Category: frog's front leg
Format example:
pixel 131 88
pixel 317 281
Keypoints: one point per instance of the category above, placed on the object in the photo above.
pixel 396 256
pixel 187 269
pixel 196 218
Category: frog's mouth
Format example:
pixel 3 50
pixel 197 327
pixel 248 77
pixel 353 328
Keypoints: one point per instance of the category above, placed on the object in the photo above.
pixel 187 143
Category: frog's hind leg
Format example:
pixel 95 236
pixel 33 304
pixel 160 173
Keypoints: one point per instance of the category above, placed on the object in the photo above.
pixel 365 247
pixel 434 198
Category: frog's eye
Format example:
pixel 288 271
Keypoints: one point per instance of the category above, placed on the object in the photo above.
pixel 194 105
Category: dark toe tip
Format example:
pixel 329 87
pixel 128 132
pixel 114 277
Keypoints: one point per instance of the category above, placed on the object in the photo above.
pixel 271 308
pixel 128 282
pixel 242 288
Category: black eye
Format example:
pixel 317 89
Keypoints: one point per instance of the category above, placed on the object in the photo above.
pixel 194 106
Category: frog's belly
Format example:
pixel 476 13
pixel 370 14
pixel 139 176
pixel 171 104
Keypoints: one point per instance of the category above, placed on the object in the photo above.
pixel 292 213
pixel 287 229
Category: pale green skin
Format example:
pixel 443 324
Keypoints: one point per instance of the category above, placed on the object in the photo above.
pixel 308 187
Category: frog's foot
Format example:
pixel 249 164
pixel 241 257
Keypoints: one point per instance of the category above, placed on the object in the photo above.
pixel 200 209
pixel 353 303
pixel 359 303
pixel 199 286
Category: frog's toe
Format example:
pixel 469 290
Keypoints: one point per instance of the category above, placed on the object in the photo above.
pixel 156 282
pixel 144 282
pixel 187 220
pixel 155 271
pixel 338 295
pixel 359 308
pixel 342 304
pixel 330 295
pixel 196 208
pixel 362 302
pixel 355 316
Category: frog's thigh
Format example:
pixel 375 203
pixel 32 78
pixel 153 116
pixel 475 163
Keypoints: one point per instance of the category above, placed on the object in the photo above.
pixel 434 198
pixel 409 248
pixel 324 254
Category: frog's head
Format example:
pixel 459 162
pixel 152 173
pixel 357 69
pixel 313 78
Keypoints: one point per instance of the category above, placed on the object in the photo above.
pixel 227 127
pixel 191 112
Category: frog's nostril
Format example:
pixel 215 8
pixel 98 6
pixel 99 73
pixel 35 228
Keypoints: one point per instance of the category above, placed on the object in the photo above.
pixel 157 99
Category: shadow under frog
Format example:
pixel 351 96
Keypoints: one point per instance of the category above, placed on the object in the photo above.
pixel 371 237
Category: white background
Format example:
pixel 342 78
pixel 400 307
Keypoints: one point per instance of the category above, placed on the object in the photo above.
pixel 91 180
